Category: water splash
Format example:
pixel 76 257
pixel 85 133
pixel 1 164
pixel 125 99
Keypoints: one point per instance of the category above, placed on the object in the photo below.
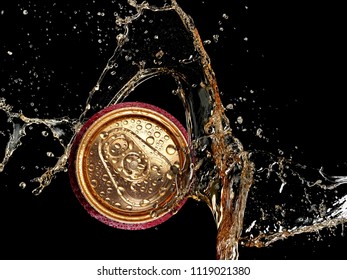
pixel 19 125
pixel 224 175
pixel 304 199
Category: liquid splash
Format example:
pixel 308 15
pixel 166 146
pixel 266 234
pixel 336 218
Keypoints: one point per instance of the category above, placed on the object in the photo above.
pixel 225 176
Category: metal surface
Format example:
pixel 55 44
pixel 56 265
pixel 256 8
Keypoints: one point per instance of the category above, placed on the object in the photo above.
pixel 129 164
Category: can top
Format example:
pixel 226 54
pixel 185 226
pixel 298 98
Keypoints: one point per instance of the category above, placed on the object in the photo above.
pixel 131 163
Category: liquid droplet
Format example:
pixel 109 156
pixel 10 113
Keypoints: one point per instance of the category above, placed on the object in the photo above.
pixel 157 134
pixel 44 133
pixel 103 135
pixel 50 154
pixel 150 140
pixel 154 214
pixel 144 202
pixel 170 149
pixel 148 125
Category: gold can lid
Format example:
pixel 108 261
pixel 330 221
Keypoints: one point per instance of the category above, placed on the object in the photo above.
pixel 130 165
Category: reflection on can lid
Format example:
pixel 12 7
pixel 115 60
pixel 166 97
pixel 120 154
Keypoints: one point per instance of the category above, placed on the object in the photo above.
pixel 129 165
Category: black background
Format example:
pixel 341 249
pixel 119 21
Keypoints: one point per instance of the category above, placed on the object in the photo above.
pixel 285 57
